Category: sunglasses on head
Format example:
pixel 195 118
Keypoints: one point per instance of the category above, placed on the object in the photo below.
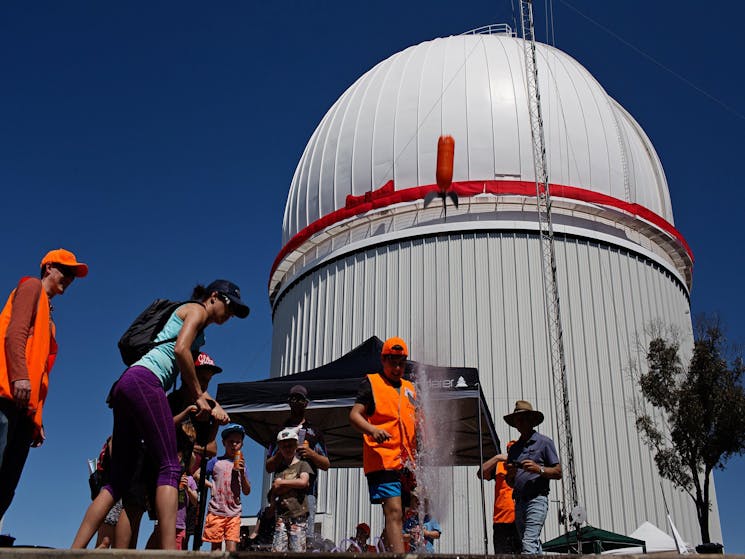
pixel 66 271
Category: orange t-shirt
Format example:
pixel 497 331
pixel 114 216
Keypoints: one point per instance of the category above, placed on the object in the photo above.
pixel 504 506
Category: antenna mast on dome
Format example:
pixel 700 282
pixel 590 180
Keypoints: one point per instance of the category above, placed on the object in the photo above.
pixel 569 500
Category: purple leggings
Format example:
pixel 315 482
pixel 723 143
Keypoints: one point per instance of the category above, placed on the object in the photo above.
pixel 141 413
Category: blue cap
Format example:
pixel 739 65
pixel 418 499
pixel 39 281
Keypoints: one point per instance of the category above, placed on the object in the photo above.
pixel 233 293
pixel 233 428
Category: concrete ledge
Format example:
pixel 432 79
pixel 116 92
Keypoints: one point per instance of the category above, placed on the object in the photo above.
pixel 41 553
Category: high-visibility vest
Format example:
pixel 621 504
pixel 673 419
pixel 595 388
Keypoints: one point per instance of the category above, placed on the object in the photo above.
pixel 41 351
pixel 395 412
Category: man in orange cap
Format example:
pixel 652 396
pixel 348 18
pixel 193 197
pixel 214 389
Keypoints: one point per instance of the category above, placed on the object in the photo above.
pixel 385 413
pixel 27 353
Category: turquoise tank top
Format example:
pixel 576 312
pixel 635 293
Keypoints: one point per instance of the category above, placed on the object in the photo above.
pixel 161 360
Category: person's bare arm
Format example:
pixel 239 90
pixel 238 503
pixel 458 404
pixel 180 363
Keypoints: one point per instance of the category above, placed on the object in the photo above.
pixel 211 449
pixel 358 421
pixel 194 316
pixel 273 463
pixel 180 417
pixel 245 484
pixel 488 469
pixel 205 453
pixel 281 486
pixel 255 531
pixel 193 495
pixel 309 455
pixel 432 534
pixel 549 472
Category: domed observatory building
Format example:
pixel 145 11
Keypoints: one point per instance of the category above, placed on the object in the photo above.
pixel 362 256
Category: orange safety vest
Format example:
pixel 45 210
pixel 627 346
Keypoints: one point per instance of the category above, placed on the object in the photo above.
pixel 395 412
pixel 504 505
pixel 41 351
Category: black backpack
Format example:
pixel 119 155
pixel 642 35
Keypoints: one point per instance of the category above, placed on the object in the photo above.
pixel 138 339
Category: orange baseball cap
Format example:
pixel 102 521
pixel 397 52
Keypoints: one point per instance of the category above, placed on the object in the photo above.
pixel 66 258
pixel 395 346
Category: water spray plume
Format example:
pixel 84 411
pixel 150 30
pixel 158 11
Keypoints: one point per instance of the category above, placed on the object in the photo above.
pixel 435 449
pixel 444 174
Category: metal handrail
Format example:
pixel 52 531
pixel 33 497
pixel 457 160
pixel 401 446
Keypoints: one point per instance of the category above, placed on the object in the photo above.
pixel 492 29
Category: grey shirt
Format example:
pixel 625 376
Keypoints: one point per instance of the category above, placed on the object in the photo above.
pixel 541 450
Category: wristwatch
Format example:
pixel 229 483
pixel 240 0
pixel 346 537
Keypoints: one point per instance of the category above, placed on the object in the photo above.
pixel 543 470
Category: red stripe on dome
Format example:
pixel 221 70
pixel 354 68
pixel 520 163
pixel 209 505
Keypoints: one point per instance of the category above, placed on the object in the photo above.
pixel 386 195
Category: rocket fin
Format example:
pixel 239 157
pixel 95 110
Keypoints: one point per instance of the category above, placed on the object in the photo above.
pixel 431 195
pixel 454 197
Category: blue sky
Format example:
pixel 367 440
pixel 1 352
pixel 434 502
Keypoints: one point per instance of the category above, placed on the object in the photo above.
pixel 158 140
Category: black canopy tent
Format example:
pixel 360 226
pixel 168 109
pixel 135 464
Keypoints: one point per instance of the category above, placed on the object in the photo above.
pixel 451 396
pixel 454 394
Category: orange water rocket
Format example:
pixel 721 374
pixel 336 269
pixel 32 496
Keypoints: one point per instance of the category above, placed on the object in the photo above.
pixel 444 174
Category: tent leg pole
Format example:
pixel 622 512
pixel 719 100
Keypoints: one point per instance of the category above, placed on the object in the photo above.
pixel 483 496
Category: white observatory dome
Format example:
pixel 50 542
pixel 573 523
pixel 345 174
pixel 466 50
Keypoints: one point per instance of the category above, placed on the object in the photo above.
pixel 381 135
pixel 361 256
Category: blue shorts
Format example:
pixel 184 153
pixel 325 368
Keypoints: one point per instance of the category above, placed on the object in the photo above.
pixel 383 490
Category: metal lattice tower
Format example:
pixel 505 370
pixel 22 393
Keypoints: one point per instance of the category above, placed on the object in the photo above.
pixel 569 498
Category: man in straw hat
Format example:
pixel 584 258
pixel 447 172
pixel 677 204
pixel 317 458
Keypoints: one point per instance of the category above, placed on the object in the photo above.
pixel 531 462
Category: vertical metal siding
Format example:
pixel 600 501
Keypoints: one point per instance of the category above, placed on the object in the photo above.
pixel 475 299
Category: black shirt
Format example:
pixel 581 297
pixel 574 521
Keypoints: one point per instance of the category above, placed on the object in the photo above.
pixel 365 394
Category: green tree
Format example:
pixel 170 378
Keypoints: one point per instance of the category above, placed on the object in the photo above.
pixel 704 405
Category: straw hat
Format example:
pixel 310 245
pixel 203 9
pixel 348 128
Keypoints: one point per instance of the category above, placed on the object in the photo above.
pixel 523 408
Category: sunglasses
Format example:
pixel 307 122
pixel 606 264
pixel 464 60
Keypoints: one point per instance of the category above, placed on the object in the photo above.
pixel 66 271
pixel 396 359
pixel 225 299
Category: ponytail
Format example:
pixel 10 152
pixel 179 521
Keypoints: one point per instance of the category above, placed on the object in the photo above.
pixel 199 293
